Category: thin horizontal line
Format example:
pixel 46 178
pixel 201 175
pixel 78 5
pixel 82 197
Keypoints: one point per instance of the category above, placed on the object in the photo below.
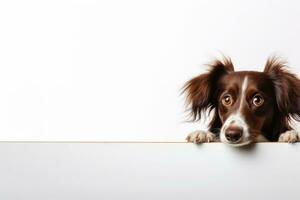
pixel 15 141
pixel 109 142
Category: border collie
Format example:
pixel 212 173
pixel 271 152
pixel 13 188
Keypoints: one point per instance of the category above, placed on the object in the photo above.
pixel 246 106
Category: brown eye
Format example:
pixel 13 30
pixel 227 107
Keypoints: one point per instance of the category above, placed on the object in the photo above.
pixel 227 100
pixel 258 100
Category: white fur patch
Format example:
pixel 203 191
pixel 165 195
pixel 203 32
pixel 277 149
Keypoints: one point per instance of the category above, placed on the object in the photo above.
pixel 244 87
pixel 238 120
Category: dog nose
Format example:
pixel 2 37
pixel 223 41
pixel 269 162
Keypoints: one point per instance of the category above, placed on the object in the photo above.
pixel 233 133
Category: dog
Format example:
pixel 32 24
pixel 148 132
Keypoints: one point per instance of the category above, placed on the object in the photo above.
pixel 245 106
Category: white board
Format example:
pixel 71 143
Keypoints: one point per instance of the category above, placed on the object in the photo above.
pixel 108 171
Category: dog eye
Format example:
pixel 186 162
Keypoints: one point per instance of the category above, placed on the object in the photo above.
pixel 227 100
pixel 257 100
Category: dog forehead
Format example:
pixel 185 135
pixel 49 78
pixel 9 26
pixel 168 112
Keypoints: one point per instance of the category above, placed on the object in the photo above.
pixel 237 78
pixel 248 82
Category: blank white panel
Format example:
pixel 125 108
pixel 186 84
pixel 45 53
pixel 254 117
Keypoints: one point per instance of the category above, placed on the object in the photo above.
pixel 148 171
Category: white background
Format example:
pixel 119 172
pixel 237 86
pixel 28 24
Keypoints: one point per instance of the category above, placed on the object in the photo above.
pixel 112 70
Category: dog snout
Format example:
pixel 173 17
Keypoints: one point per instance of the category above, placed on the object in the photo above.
pixel 233 133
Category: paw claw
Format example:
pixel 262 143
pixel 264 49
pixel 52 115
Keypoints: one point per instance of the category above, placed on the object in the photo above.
pixel 289 136
pixel 201 137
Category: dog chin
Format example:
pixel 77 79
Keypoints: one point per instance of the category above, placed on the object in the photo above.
pixel 239 144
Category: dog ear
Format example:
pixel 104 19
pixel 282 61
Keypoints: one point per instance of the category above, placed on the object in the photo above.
pixel 286 88
pixel 200 90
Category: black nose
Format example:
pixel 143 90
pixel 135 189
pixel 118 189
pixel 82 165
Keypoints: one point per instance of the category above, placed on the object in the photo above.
pixel 233 133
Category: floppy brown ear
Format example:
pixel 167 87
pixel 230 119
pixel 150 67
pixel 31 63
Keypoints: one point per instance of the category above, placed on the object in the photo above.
pixel 200 90
pixel 286 87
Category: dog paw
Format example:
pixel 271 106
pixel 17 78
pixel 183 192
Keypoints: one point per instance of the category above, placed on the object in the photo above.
pixel 289 137
pixel 198 137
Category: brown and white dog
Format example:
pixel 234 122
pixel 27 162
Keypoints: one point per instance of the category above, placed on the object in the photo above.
pixel 247 106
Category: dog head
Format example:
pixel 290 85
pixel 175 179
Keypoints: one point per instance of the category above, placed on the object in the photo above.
pixel 247 106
